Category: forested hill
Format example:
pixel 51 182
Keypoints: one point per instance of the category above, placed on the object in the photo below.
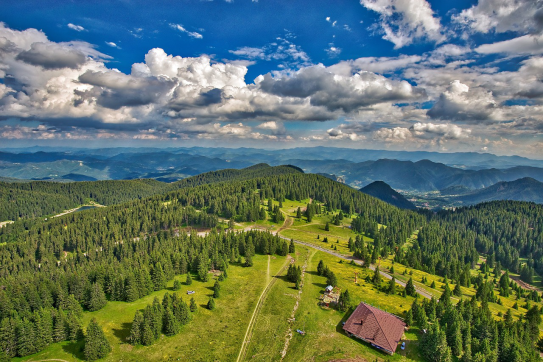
pixel 383 191
pixel 39 198
pixel 524 189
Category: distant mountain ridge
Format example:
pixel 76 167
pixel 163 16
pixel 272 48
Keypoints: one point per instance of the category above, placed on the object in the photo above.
pixel 524 190
pixel 384 192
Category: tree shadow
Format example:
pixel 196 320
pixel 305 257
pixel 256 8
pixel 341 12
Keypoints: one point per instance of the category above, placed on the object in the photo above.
pixel 312 273
pixel 123 333
pixel 75 349
pixel 323 286
pixel 204 306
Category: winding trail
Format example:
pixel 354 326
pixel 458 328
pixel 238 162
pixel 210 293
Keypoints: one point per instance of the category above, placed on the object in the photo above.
pixel 249 330
pixel 357 262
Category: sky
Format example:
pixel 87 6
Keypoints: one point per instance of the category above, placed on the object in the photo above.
pixel 368 74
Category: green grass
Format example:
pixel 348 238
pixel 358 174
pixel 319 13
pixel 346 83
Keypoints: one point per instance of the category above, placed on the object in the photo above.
pixel 211 335
pixel 325 339
pixel 272 323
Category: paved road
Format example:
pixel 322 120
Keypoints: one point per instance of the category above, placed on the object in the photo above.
pixel 358 262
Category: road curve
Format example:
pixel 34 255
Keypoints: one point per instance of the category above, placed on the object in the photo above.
pixel 358 262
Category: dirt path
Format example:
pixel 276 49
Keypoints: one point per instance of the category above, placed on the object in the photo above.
pixel 96 205
pixel 289 334
pixel 360 263
pixel 249 330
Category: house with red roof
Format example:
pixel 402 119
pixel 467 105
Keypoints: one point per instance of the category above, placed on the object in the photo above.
pixel 377 327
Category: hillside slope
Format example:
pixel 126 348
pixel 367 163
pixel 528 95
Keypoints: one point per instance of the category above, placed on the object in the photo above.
pixel 524 190
pixel 383 191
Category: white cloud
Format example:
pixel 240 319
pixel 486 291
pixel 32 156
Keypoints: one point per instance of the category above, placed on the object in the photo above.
pixel 113 45
pixel 459 102
pixel 404 21
pixel 447 131
pixel 333 51
pixel 270 125
pixel 183 30
pixel 289 54
pixel 502 16
pixel 526 44
pixel 328 18
pixel 77 28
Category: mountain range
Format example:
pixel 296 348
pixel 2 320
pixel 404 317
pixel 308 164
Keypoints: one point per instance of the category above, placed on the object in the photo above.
pixel 402 171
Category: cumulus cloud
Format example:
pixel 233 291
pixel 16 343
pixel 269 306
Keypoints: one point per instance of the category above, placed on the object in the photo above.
pixel 52 56
pixel 403 21
pixel 396 134
pixel 459 102
pixel 335 92
pixel 523 16
pixel 447 131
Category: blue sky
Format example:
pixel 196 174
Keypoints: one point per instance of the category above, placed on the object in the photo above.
pixel 387 74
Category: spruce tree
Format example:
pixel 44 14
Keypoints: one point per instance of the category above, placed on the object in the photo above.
pixel 135 336
pixel 97 298
pixel 8 337
pixel 177 285
pixel 216 289
pixel 211 304
pixel 392 287
pixel 292 246
pixel 193 307
pixel 189 280
pixel 170 324
pixel 409 320
pixel 327 226
pixel 26 338
pixel 410 288
pixel 377 277
pixel 457 290
pixel 96 344
pixel 320 268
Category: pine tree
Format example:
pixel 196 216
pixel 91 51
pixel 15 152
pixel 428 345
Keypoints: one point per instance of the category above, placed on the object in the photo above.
pixel 392 287
pixel 136 330
pixel 59 326
pixel 331 279
pixel 203 268
pixel 26 338
pixel 189 280
pixel 410 288
pixel 457 290
pixel 170 324
pixel 409 320
pixel 96 344
pixel 8 338
pixel 320 268
pixel 193 307
pixel 97 298
pixel 211 304
pixel 292 246
pixel 158 277
pixel 377 277
pixel 327 226
pixel 299 213
pixel 177 285
pixel 216 289
pixel 147 331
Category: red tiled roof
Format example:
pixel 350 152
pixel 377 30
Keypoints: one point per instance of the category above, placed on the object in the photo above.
pixel 375 326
